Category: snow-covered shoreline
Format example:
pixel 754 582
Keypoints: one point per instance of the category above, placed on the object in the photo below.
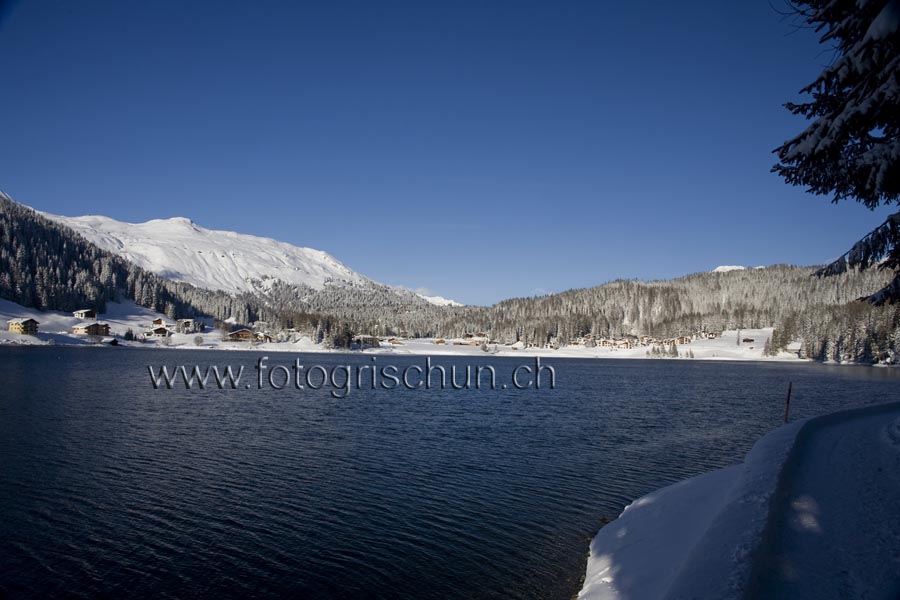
pixel 56 329
pixel 707 537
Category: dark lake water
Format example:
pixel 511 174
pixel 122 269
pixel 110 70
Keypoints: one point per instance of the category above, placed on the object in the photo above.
pixel 109 488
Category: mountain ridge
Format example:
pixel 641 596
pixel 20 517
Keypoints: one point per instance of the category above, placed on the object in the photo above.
pixel 180 249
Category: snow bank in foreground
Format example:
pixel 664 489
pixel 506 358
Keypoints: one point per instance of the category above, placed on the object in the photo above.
pixel 639 554
pixel 704 537
pixel 643 553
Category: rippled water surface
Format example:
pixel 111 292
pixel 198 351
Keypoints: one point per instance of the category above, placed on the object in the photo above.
pixel 109 488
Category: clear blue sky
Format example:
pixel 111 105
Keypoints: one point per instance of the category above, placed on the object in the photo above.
pixel 481 150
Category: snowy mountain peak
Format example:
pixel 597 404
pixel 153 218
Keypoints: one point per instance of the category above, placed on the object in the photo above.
pixel 178 222
pixel 439 300
pixel 179 249
pixel 727 268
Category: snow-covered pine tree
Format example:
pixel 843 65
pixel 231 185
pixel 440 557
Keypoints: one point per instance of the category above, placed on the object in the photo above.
pixel 851 149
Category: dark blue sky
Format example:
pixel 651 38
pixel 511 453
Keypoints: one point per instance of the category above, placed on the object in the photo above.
pixel 480 150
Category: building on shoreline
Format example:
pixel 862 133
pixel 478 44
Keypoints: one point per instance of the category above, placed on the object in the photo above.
pixel 98 328
pixel 24 326
pixel 188 326
pixel 241 335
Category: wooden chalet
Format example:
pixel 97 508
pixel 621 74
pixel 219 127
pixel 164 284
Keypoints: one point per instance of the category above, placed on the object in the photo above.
pixel 24 326
pixel 97 328
pixel 242 335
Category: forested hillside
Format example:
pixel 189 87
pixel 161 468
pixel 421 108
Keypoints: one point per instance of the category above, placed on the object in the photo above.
pixel 47 266
pixel 714 301
pixel 821 311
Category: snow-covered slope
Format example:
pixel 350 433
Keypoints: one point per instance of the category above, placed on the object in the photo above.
pixel 180 249
pixel 56 326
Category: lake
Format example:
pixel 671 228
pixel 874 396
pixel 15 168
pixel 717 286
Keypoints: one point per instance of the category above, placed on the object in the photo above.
pixel 111 488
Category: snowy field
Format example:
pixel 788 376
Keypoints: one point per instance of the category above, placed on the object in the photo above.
pixel 704 537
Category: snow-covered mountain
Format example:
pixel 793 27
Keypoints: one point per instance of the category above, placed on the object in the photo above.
pixel 439 300
pixel 181 250
pixel 727 268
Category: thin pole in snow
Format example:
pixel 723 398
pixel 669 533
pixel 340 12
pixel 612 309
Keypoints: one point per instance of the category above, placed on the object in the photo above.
pixel 787 402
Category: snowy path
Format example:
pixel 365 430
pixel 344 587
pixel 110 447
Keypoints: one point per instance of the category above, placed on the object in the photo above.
pixel 812 512
pixel 835 531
